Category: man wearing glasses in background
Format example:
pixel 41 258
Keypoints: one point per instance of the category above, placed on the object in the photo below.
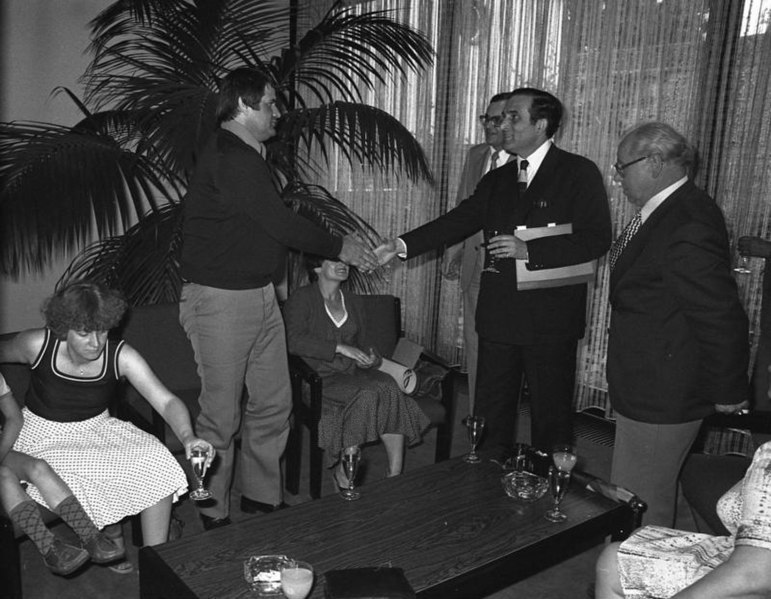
pixel 534 331
pixel 466 259
pixel 679 341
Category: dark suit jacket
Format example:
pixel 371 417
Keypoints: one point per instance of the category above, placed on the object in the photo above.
pixel 574 192
pixel 679 338
pixel 473 250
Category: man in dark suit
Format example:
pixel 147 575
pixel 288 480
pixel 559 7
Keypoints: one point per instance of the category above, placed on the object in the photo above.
pixel 465 259
pixel 678 347
pixel 533 331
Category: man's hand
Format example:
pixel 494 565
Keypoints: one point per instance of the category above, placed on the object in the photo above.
pixel 737 408
pixel 386 251
pixel 507 246
pixel 754 246
pixel 451 266
pixel 355 252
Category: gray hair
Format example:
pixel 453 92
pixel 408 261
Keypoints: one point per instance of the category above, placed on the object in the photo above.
pixel 660 138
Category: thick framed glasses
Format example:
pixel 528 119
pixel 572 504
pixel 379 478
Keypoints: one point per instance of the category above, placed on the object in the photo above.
pixel 493 120
pixel 620 166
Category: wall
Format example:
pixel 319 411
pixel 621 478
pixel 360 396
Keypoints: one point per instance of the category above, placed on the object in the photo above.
pixel 42 45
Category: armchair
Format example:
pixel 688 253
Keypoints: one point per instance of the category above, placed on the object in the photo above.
pixel 384 324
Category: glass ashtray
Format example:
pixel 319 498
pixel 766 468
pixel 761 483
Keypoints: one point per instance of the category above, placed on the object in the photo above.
pixel 524 486
pixel 263 574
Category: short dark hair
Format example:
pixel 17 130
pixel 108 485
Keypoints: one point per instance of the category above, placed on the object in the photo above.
pixel 245 83
pixel 656 137
pixel 83 306
pixel 312 262
pixel 543 105
pixel 500 97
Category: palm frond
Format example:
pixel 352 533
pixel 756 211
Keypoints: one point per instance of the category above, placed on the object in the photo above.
pixel 365 135
pixel 347 50
pixel 143 263
pixel 61 186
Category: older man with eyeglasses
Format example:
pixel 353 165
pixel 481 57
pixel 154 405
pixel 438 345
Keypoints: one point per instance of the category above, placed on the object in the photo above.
pixel 678 347
pixel 465 259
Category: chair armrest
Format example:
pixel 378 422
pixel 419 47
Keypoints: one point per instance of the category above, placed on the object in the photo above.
pixel 430 356
pixel 614 493
pixel 301 368
pixel 757 421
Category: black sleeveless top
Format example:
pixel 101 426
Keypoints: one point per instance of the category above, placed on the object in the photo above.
pixel 62 397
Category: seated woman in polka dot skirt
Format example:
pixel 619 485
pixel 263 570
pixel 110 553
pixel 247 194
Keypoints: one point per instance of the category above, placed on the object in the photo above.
pixel 113 468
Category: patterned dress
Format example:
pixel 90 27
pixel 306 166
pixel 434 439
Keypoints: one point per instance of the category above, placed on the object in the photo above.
pixel 657 562
pixel 358 404
pixel 113 468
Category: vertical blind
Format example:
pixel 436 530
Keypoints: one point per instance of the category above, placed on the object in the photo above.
pixel 700 65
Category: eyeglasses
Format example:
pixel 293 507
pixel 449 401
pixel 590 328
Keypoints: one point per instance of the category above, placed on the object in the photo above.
pixel 620 166
pixel 493 120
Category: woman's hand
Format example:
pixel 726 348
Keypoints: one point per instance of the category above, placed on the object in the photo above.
pixel 196 442
pixel 362 359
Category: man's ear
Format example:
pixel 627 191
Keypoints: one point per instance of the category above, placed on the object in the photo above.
pixel 242 106
pixel 656 165
pixel 542 125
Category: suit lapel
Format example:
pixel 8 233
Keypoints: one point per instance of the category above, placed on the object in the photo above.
pixel 638 243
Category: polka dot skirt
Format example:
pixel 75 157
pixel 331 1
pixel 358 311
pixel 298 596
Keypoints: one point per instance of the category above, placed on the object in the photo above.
pixel 112 467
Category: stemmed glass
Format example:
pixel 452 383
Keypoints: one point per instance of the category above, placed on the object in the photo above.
pixel 198 458
pixel 296 579
pixel 564 457
pixel 474 427
pixel 558 487
pixel 743 268
pixel 490 260
pixel 350 459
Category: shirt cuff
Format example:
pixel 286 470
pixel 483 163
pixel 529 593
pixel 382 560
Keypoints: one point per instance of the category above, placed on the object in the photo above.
pixel 401 248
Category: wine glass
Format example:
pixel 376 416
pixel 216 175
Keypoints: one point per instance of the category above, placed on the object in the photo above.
pixel 743 268
pixel 198 457
pixel 350 458
pixel 296 579
pixel 490 260
pixel 474 427
pixel 558 487
pixel 564 457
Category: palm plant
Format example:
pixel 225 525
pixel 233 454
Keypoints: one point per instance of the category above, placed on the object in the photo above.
pixel 151 92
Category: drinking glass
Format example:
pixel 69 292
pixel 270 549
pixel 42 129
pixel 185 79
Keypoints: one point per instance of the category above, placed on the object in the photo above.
pixel 490 260
pixel 564 457
pixel 743 268
pixel 350 459
pixel 296 579
pixel 559 480
pixel 198 457
pixel 474 427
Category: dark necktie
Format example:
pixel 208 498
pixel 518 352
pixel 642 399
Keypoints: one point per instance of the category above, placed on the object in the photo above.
pixel 626 235
pixel 522 178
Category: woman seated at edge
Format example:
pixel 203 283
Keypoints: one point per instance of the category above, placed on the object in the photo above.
pixel 328 328
pixel 113 468
pixel 658 562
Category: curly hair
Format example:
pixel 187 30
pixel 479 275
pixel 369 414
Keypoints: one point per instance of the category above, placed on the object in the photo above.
pixel 83 306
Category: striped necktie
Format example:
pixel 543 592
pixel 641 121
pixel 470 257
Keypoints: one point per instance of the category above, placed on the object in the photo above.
pixel 494 160
pixel 623 240
pixel 522 178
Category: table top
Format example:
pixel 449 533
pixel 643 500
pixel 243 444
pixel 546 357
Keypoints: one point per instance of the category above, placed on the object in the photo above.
pixel 446 525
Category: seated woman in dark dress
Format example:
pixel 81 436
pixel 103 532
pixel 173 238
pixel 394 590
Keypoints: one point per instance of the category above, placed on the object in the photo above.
pixel 328 328
pixel 113 468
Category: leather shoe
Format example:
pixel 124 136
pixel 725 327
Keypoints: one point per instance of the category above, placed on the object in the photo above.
pixel 64 559
pixel 250 506
pixel 103 550
pixel 210 523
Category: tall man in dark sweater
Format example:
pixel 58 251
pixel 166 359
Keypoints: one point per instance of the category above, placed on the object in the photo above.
pixel 236 232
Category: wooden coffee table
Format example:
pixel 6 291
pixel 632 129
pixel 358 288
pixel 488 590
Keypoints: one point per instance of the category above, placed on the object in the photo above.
pixel 450 527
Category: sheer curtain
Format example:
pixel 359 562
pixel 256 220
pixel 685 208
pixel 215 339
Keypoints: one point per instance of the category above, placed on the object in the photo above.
pixel 700 65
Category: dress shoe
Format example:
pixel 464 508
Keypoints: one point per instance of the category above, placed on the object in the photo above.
pixel 250 506
pixel 64 559
pixel 210 523
pixel 103 550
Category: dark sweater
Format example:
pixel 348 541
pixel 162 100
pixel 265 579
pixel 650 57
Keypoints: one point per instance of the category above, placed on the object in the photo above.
pixel 237 228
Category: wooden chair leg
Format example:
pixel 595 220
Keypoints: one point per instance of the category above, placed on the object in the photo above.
pixel 444 430
pixel 293 457
pixel 10 560
pixel 316 454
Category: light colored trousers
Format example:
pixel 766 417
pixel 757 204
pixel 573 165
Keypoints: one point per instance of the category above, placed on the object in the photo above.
pixel 647 459
pixel 238 339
